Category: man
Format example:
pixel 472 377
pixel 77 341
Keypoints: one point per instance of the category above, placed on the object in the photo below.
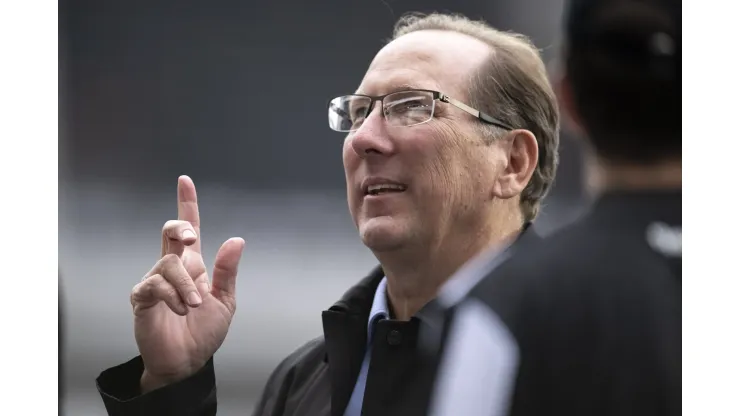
pixel 451 144
pixel 588 320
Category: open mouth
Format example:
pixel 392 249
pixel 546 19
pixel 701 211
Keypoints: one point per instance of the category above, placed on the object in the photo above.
pixel 385 188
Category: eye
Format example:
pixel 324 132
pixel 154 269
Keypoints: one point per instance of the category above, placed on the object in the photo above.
pixel 359 112
pixel 405 104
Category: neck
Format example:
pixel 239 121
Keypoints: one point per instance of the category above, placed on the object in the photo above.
pixel 603 176
pixel 416 275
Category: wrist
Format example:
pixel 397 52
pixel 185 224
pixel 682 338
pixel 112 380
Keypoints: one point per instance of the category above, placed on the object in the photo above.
pixel 149 383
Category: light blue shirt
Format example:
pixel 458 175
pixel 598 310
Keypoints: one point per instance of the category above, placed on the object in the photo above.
pixel 378 311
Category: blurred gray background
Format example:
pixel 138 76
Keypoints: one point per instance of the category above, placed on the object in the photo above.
pixel 234 95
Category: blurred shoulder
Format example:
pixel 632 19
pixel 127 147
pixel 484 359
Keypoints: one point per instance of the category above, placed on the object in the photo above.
pixel 578 262
pixel 310 354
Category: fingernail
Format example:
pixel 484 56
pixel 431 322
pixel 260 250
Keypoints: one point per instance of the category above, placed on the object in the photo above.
pixel 194 299
pixel 187 234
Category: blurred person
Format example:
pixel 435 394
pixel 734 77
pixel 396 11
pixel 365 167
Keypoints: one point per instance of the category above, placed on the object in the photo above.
pixel 451 145
pixel 587 321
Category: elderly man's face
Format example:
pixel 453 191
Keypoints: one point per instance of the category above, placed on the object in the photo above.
pixel 445 169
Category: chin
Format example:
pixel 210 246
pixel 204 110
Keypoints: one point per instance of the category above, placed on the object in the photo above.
pixel 381 234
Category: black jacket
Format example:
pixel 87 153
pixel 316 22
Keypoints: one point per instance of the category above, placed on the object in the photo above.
pixel 585 322
pixel 315 380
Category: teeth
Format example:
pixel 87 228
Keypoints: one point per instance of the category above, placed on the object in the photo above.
pixel 384 186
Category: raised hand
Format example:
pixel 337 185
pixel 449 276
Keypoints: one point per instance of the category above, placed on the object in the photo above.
pixel 181 317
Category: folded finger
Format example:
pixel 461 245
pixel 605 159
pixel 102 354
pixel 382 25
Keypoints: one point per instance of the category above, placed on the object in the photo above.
pixel 155 289
pixel 172 269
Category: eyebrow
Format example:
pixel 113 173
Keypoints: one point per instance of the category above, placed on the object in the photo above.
pixel 406 87
pixel 399 87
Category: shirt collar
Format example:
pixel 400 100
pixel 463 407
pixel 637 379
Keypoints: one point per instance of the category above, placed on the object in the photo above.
pixel 379 308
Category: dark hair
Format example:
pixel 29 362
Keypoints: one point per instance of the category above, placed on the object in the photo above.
pixel 623 63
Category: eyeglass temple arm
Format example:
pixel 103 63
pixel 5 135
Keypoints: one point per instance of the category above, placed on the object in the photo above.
pixel 475 113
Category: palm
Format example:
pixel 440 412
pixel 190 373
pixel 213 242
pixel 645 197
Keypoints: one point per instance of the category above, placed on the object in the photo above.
pixel 173 344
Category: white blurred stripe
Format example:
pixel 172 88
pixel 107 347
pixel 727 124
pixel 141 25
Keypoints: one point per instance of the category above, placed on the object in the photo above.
pixel 479 367
pixel 465 279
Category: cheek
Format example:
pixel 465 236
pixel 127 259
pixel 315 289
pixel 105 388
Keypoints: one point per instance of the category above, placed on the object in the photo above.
pixel 459 176
pixel 347 152
pixel 350 160
pixel 351 163
pixel 444 171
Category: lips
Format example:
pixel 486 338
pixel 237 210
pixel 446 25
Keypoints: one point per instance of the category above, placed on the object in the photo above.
pixel 378 186
pixel 384 188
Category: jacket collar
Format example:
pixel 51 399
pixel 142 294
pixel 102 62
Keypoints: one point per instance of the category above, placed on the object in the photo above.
pixel 345 337
pixel 359 298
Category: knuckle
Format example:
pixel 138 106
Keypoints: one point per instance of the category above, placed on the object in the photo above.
pixel 170 226
pixel 136 289
pixel 139 291
pixel 174 272
pixel 170 258
pixel 169 262
pixel 149 282
pixel 134 295
pixel 158 288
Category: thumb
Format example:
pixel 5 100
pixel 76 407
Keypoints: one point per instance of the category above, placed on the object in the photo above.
pixel 224 272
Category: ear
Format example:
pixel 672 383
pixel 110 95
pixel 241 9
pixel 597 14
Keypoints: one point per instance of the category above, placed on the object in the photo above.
pixel 571 118
pixel 521 157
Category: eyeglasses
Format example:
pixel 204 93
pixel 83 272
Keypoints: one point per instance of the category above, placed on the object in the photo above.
pixel 401 108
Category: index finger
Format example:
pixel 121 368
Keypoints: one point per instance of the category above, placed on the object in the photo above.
pixel 187 206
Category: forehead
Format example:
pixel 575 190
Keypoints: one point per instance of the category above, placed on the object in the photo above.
pixel 428 59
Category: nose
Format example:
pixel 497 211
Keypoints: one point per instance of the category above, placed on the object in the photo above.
pixel 372 137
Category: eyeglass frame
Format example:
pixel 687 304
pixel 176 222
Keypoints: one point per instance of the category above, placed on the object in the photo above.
pixel 436 96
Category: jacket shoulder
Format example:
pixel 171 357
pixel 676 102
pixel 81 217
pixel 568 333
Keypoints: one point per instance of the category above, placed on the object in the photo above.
pixel 295 369
pixel 310 354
